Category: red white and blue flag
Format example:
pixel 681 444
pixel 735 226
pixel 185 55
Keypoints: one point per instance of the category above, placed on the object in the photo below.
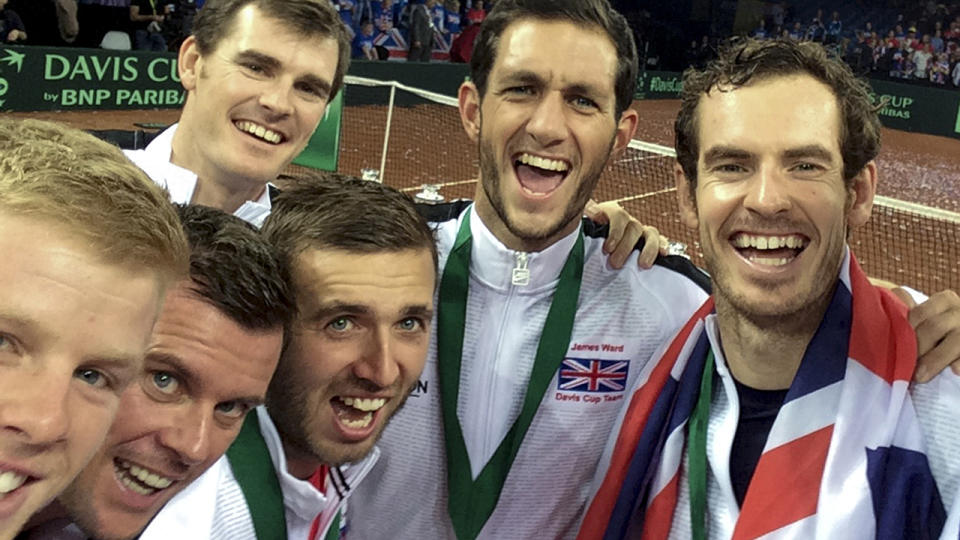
pixel 844 458
pixel 582 375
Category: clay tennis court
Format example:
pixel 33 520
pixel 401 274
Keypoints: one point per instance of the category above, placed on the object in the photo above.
pixel 427 145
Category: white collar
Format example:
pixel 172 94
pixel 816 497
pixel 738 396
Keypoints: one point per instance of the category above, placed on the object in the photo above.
pixel 299 496
pixel 181 182
pixel 492 262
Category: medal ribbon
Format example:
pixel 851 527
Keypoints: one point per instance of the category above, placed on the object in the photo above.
pixel 253 469
pixel 697 440
pixel 472 501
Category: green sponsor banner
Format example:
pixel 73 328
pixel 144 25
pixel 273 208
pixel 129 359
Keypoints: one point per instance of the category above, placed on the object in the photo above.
pixel 917 108
pixel 956 128
pixel 324 146
pixel 658 85
pixel 46 78
pixel 910 107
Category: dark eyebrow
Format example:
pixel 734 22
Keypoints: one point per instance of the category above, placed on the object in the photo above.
pixel 256 57
pixel 173 364
pixel 524 77
pixel 322 86
pixel 188 377
pixel 418 311
pixel 814 151
pixel 585 89
pixel 325 310
pixel 718 153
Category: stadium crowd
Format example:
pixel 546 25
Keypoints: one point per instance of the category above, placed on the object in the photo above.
pixel 380 29
pixel 918 42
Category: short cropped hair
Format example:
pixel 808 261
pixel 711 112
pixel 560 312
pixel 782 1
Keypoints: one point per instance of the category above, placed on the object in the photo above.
pixel 90 190
pixel 334 211
pixel 235 270
pixel 744 60
pixel 307 18
pixel 590 13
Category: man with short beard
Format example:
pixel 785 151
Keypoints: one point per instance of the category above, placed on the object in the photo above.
pixel 784 408
pixel 363 266
pixel 537 337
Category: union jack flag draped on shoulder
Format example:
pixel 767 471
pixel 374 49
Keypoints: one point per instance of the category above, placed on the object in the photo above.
pixel 844 458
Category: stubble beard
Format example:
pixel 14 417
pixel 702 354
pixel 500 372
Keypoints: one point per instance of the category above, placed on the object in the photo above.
pixel 802 307
pixel 289 405
pixel 490 181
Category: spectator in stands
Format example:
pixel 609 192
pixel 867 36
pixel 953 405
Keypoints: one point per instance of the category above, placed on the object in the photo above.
pixel 912 41
pixel 421 31
pixel 834 28
pixel 147 17
pixel 363 43
pixel 691 54
pixel 883 54
pixel 760 32
pixel 891 40
pixel 451 23
pixel 899 33
pixel 477 13
pixel 863 55
pixel 937 41
pixel 956 72
pixel 52 23
pixel 796 33
pixel 11 27
pixel 438 16
pixel 816 30
pixel 898 58
pixel 346 10
pixel 462 48
pixel 952 33
pixel 940 69
pixel 921 61
pixel 383 17
pixel 908 66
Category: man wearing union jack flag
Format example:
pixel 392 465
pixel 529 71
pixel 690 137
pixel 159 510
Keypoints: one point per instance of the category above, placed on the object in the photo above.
pixel 785 408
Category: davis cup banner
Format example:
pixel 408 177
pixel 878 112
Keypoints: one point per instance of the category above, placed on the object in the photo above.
pixel 43 79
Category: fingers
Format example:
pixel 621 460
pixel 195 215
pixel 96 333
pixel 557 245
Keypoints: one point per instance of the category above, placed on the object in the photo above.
pixel 937 325
pixel 621 250
pixel 945 353
pixel 904 296
pixel 652 246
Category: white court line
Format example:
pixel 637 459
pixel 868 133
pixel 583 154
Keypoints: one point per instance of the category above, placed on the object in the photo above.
pixel 644 195
pixel 444 184
pixel 637 158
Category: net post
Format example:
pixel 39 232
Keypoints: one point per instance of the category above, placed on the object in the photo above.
pixel 386 134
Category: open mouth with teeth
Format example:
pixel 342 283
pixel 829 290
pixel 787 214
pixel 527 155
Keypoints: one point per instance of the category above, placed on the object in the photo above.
pixel 139 479
pixel 11 481
pixel 259 132
pixel 769 250
pixel 538 175
pixel 357 415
